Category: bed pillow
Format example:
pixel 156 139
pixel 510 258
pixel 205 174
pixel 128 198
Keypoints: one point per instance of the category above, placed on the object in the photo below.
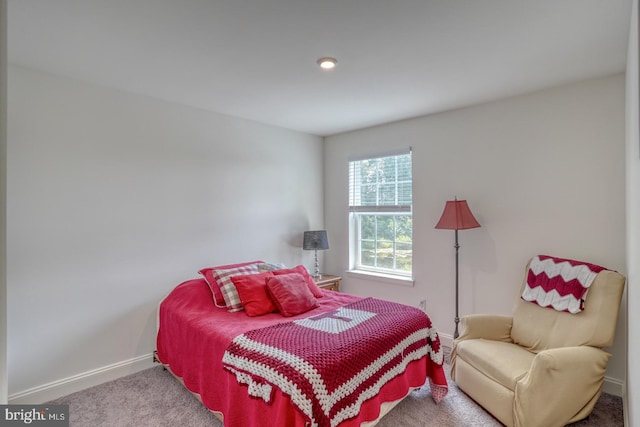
pixel 302 270
pixel 291 294
pixel 228 289
pixel 209 277
pixel 253 293
pixel 270 266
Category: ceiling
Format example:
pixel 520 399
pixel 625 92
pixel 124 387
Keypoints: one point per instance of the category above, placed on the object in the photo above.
pixel 256 59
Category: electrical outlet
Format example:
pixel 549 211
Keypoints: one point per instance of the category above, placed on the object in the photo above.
pixel 423 305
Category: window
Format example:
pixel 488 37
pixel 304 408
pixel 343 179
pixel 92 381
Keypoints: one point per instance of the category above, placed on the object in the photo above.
pixel 380 205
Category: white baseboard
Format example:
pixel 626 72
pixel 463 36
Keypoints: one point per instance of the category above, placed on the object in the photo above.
pixel 446 340
pixel 625 406
pixel 65 386
pixel 612 386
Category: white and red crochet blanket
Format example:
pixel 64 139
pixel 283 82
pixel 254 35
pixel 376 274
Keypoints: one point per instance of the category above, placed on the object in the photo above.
pixel 329 364
pixel 559 283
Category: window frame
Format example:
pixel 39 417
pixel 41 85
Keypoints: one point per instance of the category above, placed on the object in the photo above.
pixel 358 211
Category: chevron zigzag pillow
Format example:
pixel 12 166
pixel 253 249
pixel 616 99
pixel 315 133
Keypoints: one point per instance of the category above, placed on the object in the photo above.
pixel 559 283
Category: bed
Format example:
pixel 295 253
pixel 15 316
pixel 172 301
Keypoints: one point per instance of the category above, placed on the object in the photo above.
pixel 345 362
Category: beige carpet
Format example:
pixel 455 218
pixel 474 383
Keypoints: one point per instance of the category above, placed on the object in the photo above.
pixel 153 397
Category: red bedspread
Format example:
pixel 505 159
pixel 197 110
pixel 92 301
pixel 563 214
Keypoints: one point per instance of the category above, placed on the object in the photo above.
pixel 330 363
pixel 192 338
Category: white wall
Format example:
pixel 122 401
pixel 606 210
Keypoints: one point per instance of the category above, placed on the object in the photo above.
pixel 632 401
pixel 3 213
pixel 113 199
pixel 542 173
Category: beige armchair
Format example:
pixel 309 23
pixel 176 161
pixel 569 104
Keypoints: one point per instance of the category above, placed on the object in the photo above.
pixel 539 367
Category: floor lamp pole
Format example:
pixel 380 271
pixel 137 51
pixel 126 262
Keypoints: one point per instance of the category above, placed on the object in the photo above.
pixel 457 319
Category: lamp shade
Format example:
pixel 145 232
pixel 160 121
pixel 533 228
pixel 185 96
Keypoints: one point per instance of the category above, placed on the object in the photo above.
pixel 457 216
pixel 316 239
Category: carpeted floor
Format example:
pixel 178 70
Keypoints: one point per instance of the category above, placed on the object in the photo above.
pixel 153 397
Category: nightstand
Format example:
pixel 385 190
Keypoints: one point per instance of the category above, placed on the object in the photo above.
pixel 328 282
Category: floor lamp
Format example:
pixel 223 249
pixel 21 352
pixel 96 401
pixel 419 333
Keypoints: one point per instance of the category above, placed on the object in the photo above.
pixel 457 216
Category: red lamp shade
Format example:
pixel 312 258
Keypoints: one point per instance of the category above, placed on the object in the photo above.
pixel 457 216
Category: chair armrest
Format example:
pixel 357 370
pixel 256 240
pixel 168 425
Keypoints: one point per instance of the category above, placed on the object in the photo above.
pixel 559 385
pixel 492 327
pixel 488 326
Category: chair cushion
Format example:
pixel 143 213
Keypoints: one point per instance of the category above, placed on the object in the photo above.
pixel 503 362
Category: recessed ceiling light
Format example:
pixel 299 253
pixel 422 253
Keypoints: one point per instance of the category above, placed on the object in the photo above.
pixel 327 63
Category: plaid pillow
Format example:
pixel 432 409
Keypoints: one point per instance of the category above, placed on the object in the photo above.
pixel 270 266
pixel 228 289
pixel 207 273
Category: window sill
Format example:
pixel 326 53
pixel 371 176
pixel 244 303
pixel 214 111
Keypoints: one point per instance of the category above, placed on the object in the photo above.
pixel 382 278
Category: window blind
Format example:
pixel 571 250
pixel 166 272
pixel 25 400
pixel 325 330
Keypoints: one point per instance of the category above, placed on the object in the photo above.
pixel 381 184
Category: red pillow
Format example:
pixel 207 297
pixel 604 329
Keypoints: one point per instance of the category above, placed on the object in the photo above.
pixel 252 289
pixel 290 294
pixel 208 275
pixel 301 269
